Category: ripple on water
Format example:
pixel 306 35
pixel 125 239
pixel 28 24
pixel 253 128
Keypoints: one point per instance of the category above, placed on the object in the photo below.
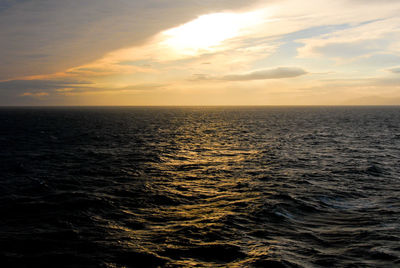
pixel 207 187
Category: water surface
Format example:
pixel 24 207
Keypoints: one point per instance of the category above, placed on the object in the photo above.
pixel 208 186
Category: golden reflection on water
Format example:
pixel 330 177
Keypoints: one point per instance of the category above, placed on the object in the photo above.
pixel 199 175
pixel 199 191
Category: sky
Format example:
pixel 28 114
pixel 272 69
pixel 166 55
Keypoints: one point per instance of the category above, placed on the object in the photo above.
pixel 190 52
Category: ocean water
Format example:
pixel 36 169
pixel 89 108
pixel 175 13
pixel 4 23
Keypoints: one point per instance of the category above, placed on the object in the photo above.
pixel 200 186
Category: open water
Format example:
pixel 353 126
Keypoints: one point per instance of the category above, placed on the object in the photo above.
pixel 200 186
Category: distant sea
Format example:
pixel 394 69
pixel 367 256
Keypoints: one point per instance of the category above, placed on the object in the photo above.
pixel 200 186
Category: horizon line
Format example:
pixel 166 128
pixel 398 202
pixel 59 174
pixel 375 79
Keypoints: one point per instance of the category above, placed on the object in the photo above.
pixel 215 105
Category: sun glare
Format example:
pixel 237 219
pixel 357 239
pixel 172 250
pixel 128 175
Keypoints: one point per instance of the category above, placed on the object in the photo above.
pixel 207 32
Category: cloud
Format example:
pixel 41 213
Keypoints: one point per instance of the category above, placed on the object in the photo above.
pixel 150 86
pixel 395 70
pixel 25 92
pixel 364 39
pixel 348 50
pixel 99 90
pixel 39 84
pixel 57 35
pixel 38 94
pixel 46 88
pixel 373 100
pixel 276 73
pixel 379 2
pixel 201 77
pixel 390 82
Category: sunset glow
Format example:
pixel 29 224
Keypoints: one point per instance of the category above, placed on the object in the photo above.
pixel 207 32
pixel 284 52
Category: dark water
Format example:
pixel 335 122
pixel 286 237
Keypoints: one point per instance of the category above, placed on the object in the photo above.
pixel 238 187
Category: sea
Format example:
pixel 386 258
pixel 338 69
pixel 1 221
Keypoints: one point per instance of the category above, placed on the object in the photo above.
pixel 200 186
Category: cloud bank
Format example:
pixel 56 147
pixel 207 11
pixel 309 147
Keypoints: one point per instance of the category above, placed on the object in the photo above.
pixel 395 70
pixel 276 73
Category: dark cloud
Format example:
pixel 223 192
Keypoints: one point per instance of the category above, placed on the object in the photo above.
pixel 22 91
pixel 47 36
pixel 18 87
pixel 277 73
pixel 30 85
pixel 395 70
pixel 6 4
pixel 45 92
